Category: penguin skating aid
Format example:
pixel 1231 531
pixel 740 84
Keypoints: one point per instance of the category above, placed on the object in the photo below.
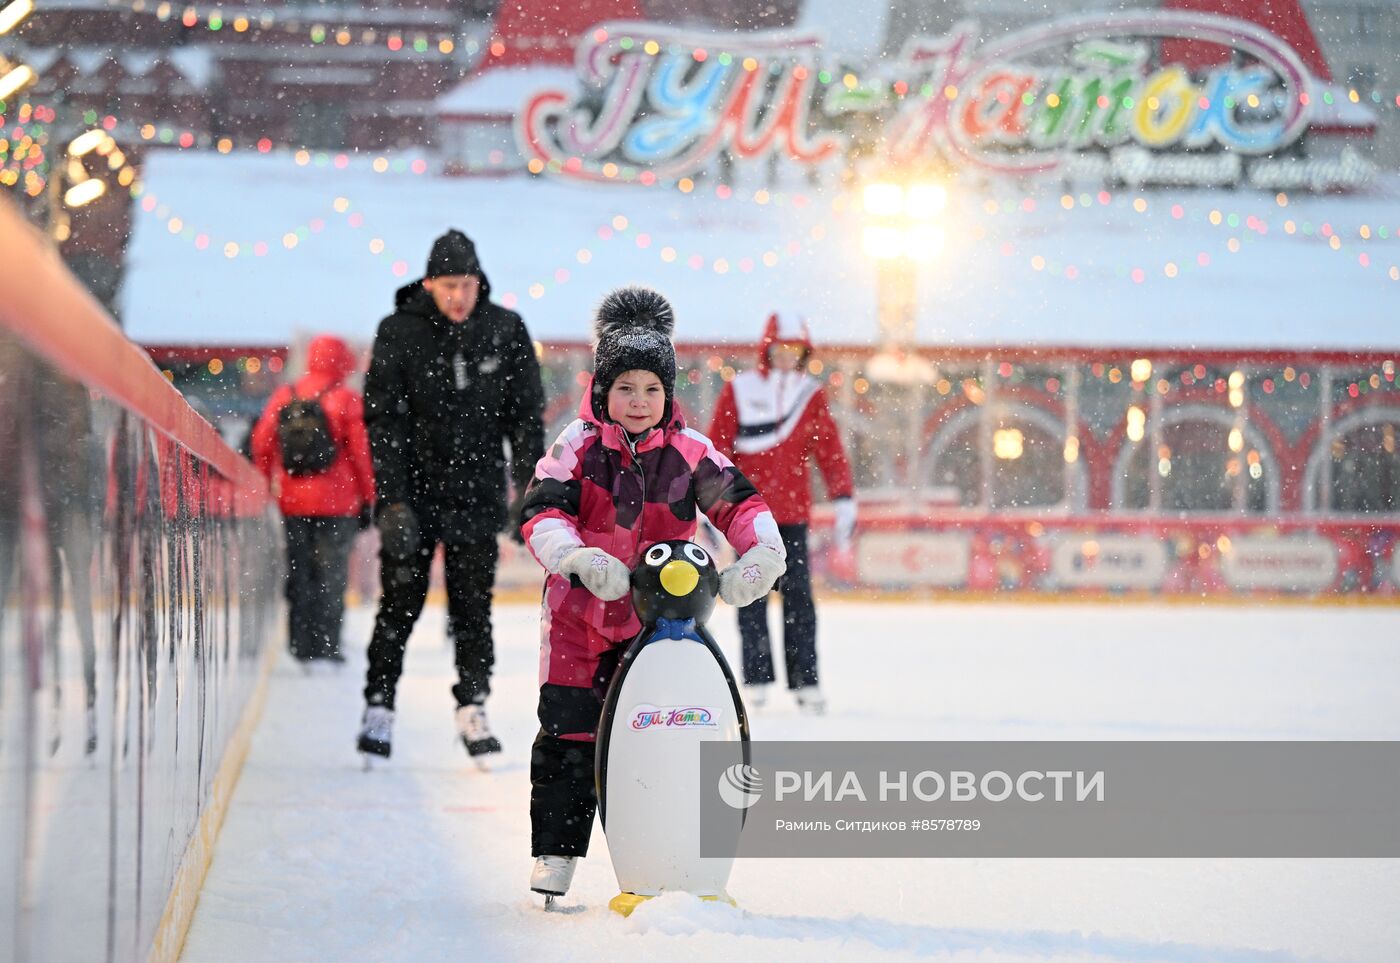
pixel 671 692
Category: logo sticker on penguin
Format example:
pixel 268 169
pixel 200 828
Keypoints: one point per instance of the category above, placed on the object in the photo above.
pixel 674 717
pixel 740 786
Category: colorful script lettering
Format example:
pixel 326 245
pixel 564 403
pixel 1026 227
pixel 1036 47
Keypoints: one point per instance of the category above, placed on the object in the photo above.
pixel 1003 108
pixel 669 101
pixel 672 717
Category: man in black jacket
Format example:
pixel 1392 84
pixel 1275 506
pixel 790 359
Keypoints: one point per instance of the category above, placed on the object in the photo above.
pixel 452 377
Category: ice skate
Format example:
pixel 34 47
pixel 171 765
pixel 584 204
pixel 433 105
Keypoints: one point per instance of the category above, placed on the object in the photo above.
pixel 376 734
pixel 90 720
pixel 551 876
pixel 810 701
pixel 756 695
pixel 475 733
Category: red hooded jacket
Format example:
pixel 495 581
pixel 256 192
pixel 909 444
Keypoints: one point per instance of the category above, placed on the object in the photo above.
pixel 774 424
pixel 349 481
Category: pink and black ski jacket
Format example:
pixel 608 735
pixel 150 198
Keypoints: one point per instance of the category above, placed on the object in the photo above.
pixel 596 488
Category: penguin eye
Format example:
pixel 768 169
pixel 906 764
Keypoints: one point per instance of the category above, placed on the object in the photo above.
pixel 697 555
pixel 658 554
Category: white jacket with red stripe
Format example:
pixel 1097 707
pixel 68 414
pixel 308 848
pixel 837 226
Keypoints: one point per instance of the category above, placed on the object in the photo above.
pixel 773 425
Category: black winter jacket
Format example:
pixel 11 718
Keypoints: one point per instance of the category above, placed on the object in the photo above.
pixel 440 401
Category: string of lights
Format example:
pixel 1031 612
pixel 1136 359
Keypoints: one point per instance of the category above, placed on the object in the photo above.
pixel 441 42
pixel 316 32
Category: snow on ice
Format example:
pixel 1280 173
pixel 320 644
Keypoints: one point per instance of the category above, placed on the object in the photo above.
pixel 424 858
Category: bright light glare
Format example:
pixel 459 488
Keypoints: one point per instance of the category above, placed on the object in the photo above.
pixel 1008 443
pixel 87 142
pixel 925 242
pixel 14 13
pixel 1137 422
pixel 84 193
pixel 15 81
pixel 883 200
pixel 925 200
pixel 883 242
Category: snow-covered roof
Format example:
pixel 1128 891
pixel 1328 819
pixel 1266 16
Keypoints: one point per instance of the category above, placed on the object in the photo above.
pixel 1341 112
pixel 89 59
pixel 195 62
pixel 852 30
pixel 1016 270
pixel 138 62
pixel 502 90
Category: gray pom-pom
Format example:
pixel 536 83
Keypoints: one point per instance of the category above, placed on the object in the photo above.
pixel 628 309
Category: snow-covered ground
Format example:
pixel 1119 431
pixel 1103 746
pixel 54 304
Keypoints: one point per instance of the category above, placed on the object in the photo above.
pixel 209 260
pixel 427 859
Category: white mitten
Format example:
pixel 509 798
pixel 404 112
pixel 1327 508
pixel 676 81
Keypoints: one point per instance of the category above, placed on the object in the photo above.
pixel 599 572
pixel 845 521
pixel 752 577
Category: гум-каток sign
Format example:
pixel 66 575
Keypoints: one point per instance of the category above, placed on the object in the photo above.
pixel 1053 97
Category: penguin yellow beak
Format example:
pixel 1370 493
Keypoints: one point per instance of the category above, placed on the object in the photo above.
pixel 679 577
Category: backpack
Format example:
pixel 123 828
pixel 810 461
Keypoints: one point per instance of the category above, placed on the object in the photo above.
pixel 304 434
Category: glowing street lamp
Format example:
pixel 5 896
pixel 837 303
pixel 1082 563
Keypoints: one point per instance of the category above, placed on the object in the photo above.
pixel 882 242
pixel 883 199
pixel 902 230
pixel 87 142
pixel 13 13
pixel 924 242
pixel 14 78
pixel 925 201
pixel 84 192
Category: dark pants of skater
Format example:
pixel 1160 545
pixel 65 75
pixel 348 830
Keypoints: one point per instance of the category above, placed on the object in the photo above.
pixel 563 796
pixel 469 570
pixel 799 621
pixel 318 566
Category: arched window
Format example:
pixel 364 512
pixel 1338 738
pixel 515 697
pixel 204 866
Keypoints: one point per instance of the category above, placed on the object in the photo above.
pixel 1027 459
pixel 1201 466
pixel 1364 464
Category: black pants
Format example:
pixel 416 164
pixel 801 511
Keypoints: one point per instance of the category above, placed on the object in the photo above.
pixel 318 565
pixel 799 621
pixel 562 796
pixel 470 573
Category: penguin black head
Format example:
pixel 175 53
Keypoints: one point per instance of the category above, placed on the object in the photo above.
pixel 675 580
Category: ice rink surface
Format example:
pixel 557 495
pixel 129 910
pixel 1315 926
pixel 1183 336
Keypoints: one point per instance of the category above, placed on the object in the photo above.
pixel 425 858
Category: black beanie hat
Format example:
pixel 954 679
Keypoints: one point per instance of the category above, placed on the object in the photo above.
pixel 453 253
pixel 632 332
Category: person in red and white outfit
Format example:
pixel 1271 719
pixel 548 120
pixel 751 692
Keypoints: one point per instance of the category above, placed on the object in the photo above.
pixel 773 422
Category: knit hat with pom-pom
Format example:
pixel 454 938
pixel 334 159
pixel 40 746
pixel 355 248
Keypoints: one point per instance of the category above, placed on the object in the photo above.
pixel 632 332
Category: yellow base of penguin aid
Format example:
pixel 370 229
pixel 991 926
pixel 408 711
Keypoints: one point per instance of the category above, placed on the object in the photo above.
pixel 624 903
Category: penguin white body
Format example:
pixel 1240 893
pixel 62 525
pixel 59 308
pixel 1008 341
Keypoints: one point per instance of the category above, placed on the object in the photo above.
pixel 671 696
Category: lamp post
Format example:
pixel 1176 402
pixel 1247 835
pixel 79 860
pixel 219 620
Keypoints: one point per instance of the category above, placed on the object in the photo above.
pixel 901 232
pixel 69 184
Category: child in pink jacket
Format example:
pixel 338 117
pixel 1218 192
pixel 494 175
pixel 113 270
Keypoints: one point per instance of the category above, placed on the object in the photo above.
pixel 626 474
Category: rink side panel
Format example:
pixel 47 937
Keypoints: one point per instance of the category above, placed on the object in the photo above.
pixel 140 570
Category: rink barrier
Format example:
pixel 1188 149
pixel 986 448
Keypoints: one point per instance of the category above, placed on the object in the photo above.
pixel 1085 557
pixel 169 940
pixel 140 600
pixel 946 555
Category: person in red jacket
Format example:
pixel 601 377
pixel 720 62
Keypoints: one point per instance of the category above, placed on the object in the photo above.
pixel 773 421
pixel 322 507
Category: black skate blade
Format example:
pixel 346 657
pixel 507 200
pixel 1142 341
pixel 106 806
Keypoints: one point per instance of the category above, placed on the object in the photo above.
pixel 482 747
pixel 373 747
